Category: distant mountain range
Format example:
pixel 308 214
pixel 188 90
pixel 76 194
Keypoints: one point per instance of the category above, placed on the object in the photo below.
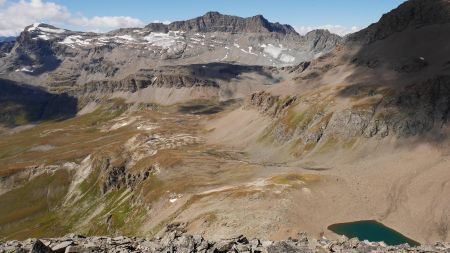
pixel 7 38
pixel 43 52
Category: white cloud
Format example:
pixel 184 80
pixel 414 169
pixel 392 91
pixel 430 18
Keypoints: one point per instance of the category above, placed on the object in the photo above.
pixel 337 29
pixel 15 16
pixel 106 22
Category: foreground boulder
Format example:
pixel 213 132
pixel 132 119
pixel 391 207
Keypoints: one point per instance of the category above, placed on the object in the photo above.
pixel 175 240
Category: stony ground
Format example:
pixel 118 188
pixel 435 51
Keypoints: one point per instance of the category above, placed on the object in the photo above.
pixel 175 240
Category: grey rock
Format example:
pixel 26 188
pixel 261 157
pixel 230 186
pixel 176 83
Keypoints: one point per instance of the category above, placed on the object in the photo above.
pixel 285 247
pixel 176 240
pixel 76 249
pixel 255 243
pixel 40 247
pixel 61 247
pixel 223 246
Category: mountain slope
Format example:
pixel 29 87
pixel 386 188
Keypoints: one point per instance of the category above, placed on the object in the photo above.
pixel 374 113
pixel 411 14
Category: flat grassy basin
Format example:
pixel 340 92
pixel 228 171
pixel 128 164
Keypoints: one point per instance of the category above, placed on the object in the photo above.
pixel 372 231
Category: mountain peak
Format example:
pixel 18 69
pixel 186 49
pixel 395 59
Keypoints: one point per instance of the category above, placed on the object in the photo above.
pixel 41 27
pixel 412 13
pixel 213 14
pixel 214 21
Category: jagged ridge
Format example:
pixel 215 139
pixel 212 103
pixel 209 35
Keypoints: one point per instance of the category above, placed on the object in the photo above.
pixel 217 22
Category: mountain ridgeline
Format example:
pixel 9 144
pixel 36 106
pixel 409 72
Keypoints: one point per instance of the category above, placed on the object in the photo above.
pixel 217 22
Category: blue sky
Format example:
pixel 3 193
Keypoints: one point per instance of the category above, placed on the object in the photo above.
pixel 101 15
pixel 295 12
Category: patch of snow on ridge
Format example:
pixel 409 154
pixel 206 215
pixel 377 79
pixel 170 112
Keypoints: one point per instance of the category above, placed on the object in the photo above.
pixel 51 30
pixel 163 40
pixel 34 27
pixel 125 37
pixel 44 37
pixel 74 39
pixel 37 27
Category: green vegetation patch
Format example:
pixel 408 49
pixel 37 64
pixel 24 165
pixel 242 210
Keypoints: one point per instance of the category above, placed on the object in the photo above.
pixel 30 210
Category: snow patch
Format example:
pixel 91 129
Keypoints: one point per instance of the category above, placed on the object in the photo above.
pixel 43 37
pixel 74 40
pixel 125 37
pixel 248 52
pixel 163 40
pixel 51 30
pixel 24 69
pixel 34 27
pixel 273 51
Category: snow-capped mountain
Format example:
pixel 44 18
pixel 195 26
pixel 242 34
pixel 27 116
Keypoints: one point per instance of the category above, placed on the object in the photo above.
pixel 44 52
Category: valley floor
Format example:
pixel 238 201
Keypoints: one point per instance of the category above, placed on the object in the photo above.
pixel 134 170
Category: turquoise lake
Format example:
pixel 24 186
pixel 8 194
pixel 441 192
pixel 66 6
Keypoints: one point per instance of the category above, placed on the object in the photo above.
pixel 372 231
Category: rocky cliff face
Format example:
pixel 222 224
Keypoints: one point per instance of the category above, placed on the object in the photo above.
pixel 414 111
pixel 5 48
pixel 411 14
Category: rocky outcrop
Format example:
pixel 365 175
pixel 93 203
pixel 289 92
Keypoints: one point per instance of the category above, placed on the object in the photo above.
pixel 116 177
pixel 414 111
pixel 136 82
pixel 180 76
pixel 175 240
pixel 269 104
pixel 5 48
pixel 297 69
